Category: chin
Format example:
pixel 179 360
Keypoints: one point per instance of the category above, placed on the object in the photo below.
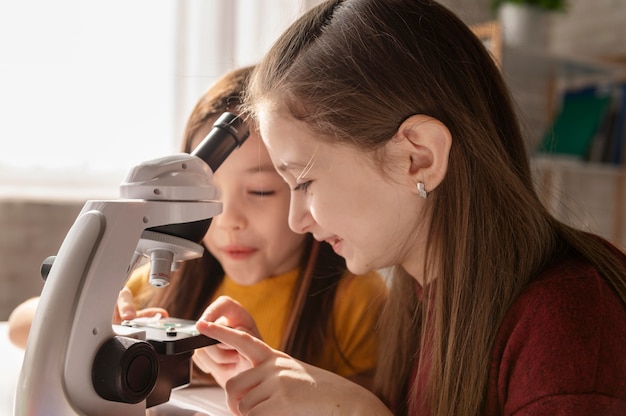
pixel 358 268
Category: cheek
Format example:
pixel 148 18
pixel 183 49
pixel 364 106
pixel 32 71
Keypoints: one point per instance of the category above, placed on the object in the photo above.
pixel 277 222
pixel 281 240
pixel 331 207
pixel 272 215
pixel 210 242
pixel 331 215
pixel 209 236
pixel 357 213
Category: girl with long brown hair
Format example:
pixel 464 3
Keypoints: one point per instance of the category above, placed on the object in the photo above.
pixel 396 132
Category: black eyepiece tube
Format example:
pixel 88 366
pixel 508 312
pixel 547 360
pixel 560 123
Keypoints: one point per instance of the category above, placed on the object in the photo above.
pixel 228 133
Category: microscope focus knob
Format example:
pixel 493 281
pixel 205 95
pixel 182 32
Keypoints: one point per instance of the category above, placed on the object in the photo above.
pixel 125 370
pixel 46 265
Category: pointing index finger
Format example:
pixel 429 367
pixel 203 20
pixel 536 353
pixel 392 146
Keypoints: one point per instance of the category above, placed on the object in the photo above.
pixel 255 350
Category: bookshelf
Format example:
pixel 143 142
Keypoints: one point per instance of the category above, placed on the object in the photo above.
pixel 540 80
pixel 587 195
pixel 580 180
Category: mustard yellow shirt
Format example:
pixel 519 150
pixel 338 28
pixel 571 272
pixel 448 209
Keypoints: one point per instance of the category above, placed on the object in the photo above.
pixel 358 303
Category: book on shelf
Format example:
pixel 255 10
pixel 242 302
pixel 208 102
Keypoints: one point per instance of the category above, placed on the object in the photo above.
pixel 590 125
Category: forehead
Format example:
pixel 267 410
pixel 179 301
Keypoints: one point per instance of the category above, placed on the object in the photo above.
pixel 290 142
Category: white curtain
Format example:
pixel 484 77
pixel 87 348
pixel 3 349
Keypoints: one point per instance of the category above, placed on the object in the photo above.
pixel 217 36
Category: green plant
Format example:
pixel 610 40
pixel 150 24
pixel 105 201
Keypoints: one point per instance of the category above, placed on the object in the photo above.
pixel 552 5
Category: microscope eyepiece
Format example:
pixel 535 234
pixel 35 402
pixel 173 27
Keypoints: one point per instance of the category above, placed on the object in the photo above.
pixel 228 133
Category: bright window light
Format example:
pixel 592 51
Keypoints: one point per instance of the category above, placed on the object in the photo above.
pixel 86 90
pixel 90 88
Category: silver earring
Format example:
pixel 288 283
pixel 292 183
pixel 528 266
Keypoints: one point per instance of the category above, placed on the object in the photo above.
pixel 421 190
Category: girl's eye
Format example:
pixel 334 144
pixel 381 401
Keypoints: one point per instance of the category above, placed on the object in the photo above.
pixel 262 193
pixel 302 186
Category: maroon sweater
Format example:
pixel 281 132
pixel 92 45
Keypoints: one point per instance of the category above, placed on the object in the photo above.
pixel 561 349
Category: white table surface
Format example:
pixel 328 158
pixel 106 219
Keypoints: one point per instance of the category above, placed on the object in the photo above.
pixel 10 364
pixel 201 401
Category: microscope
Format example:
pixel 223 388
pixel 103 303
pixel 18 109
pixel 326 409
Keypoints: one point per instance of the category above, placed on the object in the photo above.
pixel 76 362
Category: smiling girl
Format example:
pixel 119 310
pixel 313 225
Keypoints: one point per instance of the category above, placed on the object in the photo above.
pixel 396 132
pixel 302 297
pixel 299 292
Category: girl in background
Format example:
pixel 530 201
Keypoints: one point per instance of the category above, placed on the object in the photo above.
pixel 298 290
pixel 302 297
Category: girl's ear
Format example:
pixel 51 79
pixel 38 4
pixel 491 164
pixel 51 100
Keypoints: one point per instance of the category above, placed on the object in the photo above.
pixel 423 144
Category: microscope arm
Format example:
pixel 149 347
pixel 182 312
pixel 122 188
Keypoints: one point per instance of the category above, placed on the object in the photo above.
pixel 74 315
pixel 73 319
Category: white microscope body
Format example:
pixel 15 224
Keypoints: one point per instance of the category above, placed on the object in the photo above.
pixel 64 372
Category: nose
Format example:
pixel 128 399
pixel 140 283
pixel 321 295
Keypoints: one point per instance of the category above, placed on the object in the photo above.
pixel 300 218
pixel 232 216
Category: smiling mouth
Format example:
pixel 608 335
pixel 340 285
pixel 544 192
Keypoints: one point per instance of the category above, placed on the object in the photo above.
pixel 335 243
pixel 239 253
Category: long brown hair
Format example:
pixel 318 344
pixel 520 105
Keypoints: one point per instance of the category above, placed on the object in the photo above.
pixel 193 286
pixel 353 70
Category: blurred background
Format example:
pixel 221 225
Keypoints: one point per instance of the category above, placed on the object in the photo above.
pixel 90 88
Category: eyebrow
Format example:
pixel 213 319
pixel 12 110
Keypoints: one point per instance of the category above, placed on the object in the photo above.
pixel 304 169
pixel 261 168
pixel 284 167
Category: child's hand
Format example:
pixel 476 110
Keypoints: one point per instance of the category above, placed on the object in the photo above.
pixel 277 384
pixel 125 308
pixel 220 360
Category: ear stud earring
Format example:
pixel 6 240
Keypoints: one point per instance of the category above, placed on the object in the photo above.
pixel 421 190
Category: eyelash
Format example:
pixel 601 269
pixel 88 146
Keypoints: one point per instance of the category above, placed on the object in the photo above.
pixel 302 186
pixel 262 193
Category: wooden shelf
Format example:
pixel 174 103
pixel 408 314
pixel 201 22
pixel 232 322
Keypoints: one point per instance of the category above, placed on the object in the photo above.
pixel 591 196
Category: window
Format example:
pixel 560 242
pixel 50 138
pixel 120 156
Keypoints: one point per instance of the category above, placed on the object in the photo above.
pixel 91 88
